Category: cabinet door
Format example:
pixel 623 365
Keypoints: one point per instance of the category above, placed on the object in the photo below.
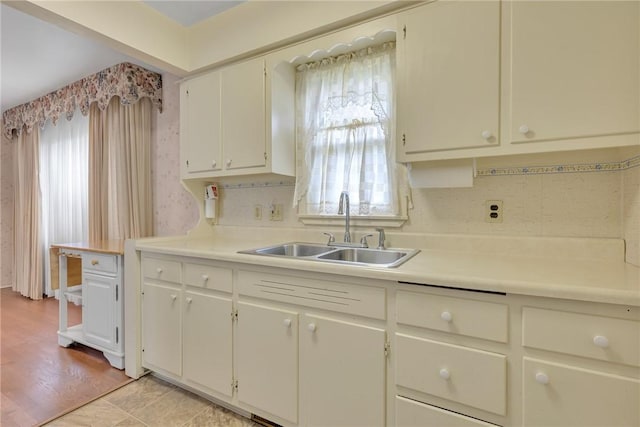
pixel 99 310
pixel 267 359
pixel 201 127
pixel 574 69
pixel 342 373
pixel 448 68
pixel 561 395
pixel 207 347
pixel 161 330
pixel 243 115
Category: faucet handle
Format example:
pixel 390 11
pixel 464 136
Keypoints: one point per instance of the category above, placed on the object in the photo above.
pixel 363 240
pixel 332 239
pixel 381 237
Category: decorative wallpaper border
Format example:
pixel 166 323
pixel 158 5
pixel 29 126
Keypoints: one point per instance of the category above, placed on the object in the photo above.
pixel 565 168
pixel 244 185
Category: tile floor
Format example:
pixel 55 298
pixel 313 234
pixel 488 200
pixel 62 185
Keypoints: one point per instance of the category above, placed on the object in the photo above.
pixel 150 401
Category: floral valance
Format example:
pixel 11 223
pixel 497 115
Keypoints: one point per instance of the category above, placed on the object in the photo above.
pixel 127 81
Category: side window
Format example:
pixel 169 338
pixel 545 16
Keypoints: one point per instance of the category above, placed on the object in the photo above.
pixel 345 133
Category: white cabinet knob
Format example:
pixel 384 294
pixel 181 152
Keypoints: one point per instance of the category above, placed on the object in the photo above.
pixel 445 374
pixel 287 323
pixel 542 378
pixel 311 327
pixel 601 341
pixel 213 163
pixel 95 262
pixel 228 162
pixel 189 300
pixel 205 278
pixel 446 316
pixel 523 129
pixel 173 297
pixel 159 270
pixel 486 134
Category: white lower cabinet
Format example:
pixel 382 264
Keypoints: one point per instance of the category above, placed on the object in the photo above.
pixel 161 328
pixel 99 318
pixel 411 413
pixel 206 341
pixel 187 322
pixel 342 373
pixel 561 395
pixel 267 359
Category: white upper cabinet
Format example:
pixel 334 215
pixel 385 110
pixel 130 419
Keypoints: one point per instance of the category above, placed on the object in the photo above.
pixel 448 77
pixel 574 70
pixel 243 115
pixel 226 122
pixel 200 130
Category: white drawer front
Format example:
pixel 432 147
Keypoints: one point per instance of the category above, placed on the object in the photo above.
pixel 368 301
pixel 161 269
pixel 207 276
pixel 105 263
pixel 473 318
pixel 561 395
pixel 472 377
pixel 595 337
pixel 410 413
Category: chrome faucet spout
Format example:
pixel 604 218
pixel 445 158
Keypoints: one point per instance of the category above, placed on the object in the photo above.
pixel 343 208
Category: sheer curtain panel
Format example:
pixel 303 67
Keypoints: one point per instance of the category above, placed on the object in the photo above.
pixel 120 204
pixel 64 159
pixel 345 129
pixel 27 233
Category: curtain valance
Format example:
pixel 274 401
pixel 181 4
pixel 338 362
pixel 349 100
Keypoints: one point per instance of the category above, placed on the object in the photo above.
pixel 127 81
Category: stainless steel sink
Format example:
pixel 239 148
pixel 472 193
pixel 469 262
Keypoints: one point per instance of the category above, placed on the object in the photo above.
pixel 386 257
pixel 293 250
pixel 352 256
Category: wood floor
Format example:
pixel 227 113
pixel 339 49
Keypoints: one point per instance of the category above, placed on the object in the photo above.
pixel 38 378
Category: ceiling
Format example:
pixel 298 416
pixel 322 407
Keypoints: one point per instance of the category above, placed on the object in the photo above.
pixel 38 57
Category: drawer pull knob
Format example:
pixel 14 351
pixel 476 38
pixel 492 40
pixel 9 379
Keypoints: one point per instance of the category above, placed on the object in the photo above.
pixel 601 341
pixel 159 270
pixel 311 327
pixel 445 374
pixel 446 316
pixel 287 323
pixel 189 300
pixel 173 297
pixel 94 262
pixel 523 129
pixel 205 278
pixel 486 135
pixel 542 378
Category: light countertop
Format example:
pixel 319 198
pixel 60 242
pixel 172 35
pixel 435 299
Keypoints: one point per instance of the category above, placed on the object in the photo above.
pixel 115 247
pixel 596 274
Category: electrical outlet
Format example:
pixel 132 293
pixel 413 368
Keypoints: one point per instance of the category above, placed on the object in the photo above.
pixel 493 211
pixel 257 212
pixel 276 212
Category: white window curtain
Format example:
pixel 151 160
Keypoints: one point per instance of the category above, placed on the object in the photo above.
pixel 345 133
pixel 64 160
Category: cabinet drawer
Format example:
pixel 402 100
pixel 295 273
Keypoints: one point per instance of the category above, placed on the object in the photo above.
pixel 473 318
pixel 410 413
pixel 207 276
pixel 161 269
pixel 472 377
pixel 100 262
pixel 561 395
pixel 595 337
pixel 368 301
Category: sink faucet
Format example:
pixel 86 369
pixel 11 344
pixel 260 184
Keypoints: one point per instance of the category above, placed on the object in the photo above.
pixel 342 209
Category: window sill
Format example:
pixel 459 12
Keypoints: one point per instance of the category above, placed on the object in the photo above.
pixel 356 221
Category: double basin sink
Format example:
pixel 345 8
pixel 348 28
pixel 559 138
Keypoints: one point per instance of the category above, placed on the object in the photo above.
pixel 343 255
